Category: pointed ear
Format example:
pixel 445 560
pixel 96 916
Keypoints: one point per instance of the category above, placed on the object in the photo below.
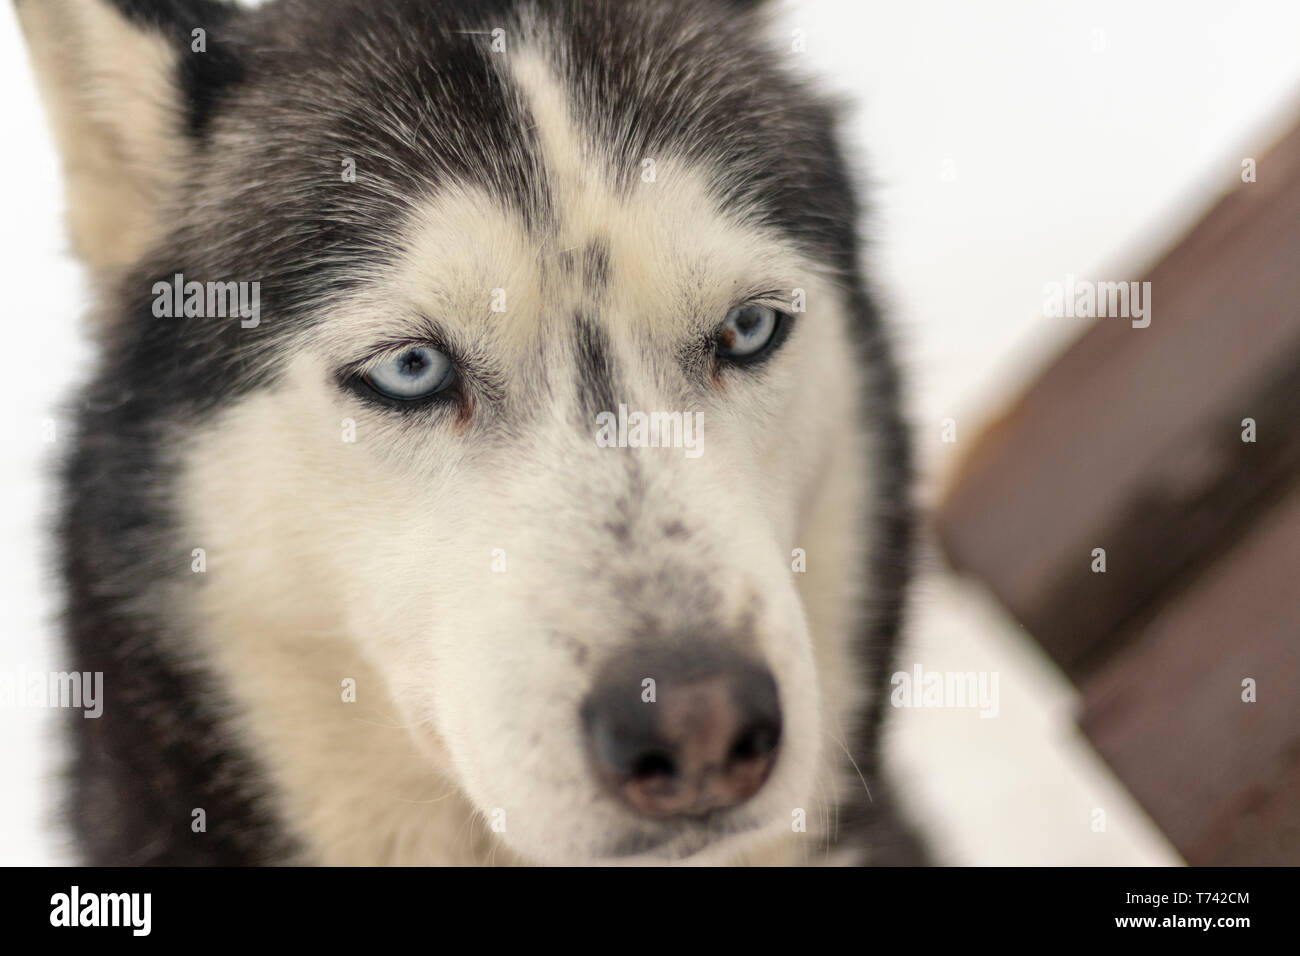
pixel 123 85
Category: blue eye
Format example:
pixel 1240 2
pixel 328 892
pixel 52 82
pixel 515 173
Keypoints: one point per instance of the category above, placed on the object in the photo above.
pixel 751 332
pixel 411 374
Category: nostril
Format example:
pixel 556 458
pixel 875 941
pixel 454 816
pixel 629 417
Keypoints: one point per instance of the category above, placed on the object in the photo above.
pixel 757 740
pixel 652 764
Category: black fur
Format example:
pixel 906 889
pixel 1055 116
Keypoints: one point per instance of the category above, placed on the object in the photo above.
pixel 204 75
pixel 285 92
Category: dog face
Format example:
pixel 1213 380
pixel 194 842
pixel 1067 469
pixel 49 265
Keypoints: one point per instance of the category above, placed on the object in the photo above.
pixel 543 436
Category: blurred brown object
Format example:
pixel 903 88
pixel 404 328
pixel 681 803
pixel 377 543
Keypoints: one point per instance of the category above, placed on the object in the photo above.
pixel 1132 441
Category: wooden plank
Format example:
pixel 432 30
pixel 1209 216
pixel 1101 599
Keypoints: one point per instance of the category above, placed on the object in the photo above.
pixel 1219 775
pixel 1131 440
pixel 1261 827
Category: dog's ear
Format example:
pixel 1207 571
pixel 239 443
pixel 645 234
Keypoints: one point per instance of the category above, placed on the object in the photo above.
pixel 128 85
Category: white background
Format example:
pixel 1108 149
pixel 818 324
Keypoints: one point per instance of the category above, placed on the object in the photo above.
pixel 1084 136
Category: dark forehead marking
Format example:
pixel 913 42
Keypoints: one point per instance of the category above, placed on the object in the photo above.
pixel 722 100
pixel 595 266
pixel 593 258
pixel 597 374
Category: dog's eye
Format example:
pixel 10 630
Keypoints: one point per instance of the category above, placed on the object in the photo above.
pixel 750 333
pixel 411 374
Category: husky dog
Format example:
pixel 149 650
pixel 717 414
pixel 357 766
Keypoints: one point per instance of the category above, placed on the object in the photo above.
pixel 495 454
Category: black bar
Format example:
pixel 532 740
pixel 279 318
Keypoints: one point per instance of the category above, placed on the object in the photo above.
pixel 464 908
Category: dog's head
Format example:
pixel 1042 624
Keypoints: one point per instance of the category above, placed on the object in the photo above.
pixel 536 386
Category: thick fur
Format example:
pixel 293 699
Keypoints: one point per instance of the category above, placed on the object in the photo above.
pixel 378 560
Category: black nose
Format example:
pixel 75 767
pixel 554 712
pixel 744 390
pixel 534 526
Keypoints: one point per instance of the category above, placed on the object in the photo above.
pixel 702 737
